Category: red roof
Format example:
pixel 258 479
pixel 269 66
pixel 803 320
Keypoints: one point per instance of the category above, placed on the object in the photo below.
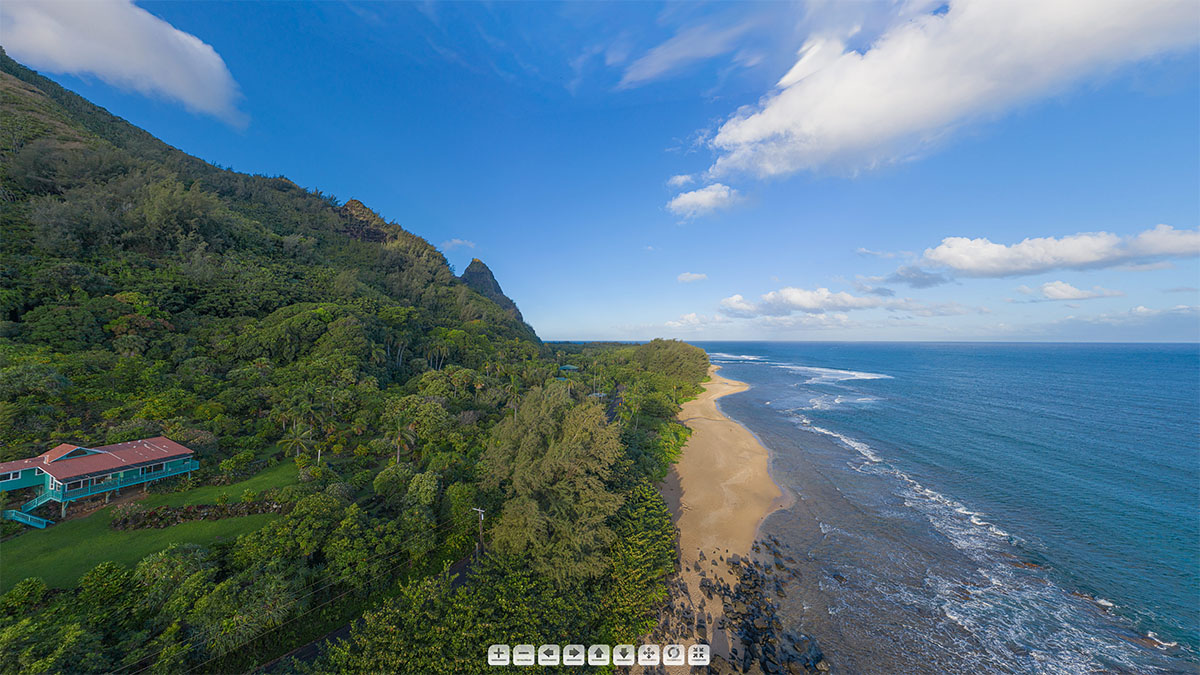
pixel 58 451
pixel 102 460
pixel 20 464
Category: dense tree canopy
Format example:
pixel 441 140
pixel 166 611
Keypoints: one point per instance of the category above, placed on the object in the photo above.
pixel 145 292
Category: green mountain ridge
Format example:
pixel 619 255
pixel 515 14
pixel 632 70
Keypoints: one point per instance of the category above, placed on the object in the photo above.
pixel 54 138
pixel 479 277
pixel 145 292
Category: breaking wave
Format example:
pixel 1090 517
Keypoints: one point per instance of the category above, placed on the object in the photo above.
pixel 829 375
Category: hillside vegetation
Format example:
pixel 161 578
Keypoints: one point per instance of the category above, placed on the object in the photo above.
pixel 143 291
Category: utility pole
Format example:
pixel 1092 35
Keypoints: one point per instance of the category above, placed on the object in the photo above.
pixel 479 546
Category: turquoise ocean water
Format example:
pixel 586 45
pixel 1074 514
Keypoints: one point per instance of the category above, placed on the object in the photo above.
pixel 985 507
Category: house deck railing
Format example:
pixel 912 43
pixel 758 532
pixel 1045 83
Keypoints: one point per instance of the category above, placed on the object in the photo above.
pixel 22 517
pixel 64 495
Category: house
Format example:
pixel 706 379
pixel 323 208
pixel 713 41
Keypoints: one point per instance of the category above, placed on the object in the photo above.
pixel 569 368
pixel 69 472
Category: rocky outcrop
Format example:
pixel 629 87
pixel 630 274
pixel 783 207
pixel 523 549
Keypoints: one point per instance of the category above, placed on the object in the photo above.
pixel 480 279
pixel 362 223
pixel 748 616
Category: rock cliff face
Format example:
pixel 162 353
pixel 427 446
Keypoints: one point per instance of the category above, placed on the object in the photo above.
pixel 363 223
pixel 480 279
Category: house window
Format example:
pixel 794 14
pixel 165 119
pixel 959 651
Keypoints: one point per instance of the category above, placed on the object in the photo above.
pixel 153 468
pixel 9 476
pixel 75 485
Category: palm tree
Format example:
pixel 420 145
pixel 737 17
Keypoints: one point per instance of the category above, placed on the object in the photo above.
pixel 436 354
pixel 406 439
pixel 379 355
pixel 513 390
pixel 296 440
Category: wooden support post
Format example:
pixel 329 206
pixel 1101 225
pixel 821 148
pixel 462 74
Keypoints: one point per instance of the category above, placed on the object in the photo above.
pixel 64 509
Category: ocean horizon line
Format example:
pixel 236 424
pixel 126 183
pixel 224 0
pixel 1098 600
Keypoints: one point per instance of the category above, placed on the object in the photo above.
pixel 1195 343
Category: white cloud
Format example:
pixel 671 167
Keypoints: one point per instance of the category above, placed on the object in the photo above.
pixel 457 243
pixel 703 201
pixel 1061 290
pixel 689 277
pixel 929 74
pixel 125 46
pixel 830 321
pixel 693 44
pixel 1143 312
pixel 789 300
pixel 983 258
pixel 737 305
pixel 694 321
pixel 681 180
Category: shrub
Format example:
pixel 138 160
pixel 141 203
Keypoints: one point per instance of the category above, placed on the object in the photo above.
pixel 24 597
pixel 362 478
pixel 343 491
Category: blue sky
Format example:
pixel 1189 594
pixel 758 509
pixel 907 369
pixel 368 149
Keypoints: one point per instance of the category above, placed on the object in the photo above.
pixel 811 171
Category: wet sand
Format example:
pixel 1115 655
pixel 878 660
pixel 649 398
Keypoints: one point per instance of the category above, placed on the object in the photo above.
pixel 719 492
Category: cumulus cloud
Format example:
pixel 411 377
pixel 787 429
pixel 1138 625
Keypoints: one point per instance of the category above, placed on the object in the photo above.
pixel 681 180
pixel 693 321
pixel 457 243
pixel 927 75
pixel 828 321
pixel 790 300
pixel 123 45
pixel 689 277
pixel 703 201
pixel 1061 290
pixel 982 258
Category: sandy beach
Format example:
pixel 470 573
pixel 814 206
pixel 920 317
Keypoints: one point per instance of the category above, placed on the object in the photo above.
pixel 719 492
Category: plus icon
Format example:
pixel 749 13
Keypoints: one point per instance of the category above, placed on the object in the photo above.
pixel 498 655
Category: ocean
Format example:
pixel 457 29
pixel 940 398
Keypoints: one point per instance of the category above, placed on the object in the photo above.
pixel 963 508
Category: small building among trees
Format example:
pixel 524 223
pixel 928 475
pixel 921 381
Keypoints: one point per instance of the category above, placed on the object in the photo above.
pixel 69 472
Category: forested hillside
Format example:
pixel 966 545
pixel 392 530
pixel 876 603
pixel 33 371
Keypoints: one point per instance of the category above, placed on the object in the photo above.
pixel 145 292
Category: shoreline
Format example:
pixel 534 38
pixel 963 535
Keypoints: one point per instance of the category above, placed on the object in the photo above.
pixel 719 492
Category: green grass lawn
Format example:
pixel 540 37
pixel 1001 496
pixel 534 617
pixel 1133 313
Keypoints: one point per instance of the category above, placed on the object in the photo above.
pixel 62 553
pixel 283 473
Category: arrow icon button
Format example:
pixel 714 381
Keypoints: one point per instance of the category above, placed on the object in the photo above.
pixel 598 655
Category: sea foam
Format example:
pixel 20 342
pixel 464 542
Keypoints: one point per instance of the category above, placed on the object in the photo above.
pixel 829 375
pixel 734 357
